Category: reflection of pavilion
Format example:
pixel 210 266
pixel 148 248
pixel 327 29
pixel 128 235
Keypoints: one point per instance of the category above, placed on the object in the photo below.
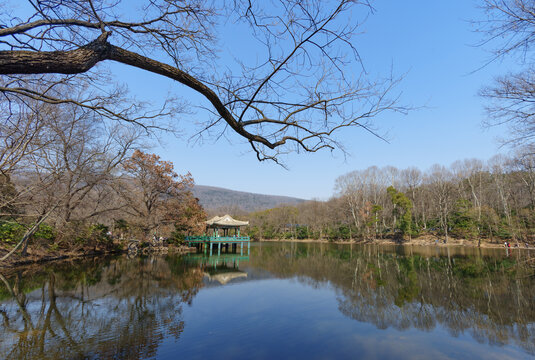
pixel 217 261
pixel 218 230
pixel 222 268
pixel 224 277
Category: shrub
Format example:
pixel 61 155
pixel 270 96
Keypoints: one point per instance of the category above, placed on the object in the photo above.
pixel 99 233
pixel 11 231
pixel 45 232
pixel 301 232
pixel 254 233
pixel 177 238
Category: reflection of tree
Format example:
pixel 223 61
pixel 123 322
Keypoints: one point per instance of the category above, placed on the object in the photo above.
pixel 123 309
pixel 488 297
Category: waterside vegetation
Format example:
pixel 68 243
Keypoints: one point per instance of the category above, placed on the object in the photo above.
pixel 482 202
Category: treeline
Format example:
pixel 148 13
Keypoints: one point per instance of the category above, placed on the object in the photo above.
pixel 471 199
pixel 72 179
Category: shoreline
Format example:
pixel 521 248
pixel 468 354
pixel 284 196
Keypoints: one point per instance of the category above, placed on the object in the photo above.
pixel 17 261
pixel 40 259
pixel 427 241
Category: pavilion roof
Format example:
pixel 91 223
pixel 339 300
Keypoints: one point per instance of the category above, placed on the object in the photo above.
pixel 226 277
pixel 225 221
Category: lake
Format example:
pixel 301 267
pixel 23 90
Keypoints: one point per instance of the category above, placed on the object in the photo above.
pixel 281 300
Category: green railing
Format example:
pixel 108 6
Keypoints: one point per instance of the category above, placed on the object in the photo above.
pixel 208 243
pixel 213 239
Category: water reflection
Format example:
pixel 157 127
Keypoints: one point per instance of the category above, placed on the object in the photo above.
pixel 121 308
pixel 131 308
pixel 462 289
pixel 223 268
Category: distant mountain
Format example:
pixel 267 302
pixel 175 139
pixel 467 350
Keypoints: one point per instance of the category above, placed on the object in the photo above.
pixel 212 198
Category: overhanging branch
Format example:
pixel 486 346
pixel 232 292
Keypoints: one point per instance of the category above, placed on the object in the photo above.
pixel 86 57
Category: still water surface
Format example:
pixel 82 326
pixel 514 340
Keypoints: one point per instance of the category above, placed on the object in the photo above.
pixel 283 300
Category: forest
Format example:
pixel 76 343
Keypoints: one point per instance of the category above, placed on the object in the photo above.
pixel 74 181
pixel 75 167
pixel 75 171
pixel 492 201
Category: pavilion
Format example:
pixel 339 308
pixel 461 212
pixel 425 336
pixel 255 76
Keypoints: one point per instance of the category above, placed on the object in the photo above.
pixel 225 223
pixel 218 232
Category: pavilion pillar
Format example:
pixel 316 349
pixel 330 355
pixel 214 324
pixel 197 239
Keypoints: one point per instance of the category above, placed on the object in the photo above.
pixel 211 244
pixel 218 248
pixel 241 248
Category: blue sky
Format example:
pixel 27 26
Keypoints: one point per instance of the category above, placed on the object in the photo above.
pixel 431 42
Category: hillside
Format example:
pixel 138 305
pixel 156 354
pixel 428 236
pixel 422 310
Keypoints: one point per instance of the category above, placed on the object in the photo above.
pixel 218 198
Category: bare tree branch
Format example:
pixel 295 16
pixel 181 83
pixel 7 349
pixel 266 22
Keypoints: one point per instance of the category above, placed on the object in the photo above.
pixel 297 98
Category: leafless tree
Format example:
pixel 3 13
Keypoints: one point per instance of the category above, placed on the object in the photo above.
pixel 510 30
pixel 350 187
pixel 19 135
pixel 498 169
pixel 509 26
pixel 511 101
pixel 411 180
pixel 470 171
pixel 61 156
pixel 298 93
pixel 82 155
pixel 443 191
pixel 524 164
pixel 21 128
pixel 470 199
